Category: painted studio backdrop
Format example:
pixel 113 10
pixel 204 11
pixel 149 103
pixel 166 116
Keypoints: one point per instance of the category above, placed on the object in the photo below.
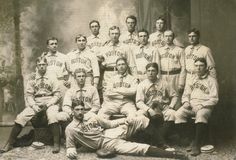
pixel 26 24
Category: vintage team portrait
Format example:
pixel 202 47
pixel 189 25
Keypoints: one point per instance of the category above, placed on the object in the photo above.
pixel 117 79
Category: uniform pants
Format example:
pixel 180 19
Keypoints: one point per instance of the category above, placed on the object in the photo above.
pixel 201 115
pixel 28 113
pixel 110 108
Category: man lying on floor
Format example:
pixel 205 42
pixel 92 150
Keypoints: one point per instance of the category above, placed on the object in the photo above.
pixel 99 133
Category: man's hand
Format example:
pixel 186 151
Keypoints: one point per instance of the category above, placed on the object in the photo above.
pixel 187 106
pixel 71 153
pixel 36 108
pixel 151 112
pixel 67 84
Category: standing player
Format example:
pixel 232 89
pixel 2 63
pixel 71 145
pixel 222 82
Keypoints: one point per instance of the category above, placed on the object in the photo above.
pixel 157 38
pixel 112 50
pixel 199 98
pixel 142 55
pixel 82 58
pixel 56 64
pixel 102 134
pixel 156 99
pixel 95 40
pixel 120 93
pixel 196 50
pixel 87 94
pixel 172 63
pixel 42 93
pixel 130 37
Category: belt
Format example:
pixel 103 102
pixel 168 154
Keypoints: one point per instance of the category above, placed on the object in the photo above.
pixel 171 72
pixel 43 95
pixel 191 72
pixel 110 69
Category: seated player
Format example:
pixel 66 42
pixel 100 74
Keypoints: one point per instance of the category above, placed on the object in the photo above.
pixel 42 93
pixel 109 135
pixel 199 98
pixel 120 92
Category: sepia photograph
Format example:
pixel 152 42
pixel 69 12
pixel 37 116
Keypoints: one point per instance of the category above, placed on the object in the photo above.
pixel 117 79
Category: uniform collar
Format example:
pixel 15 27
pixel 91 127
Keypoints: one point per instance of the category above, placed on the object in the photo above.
pixel 77 88
pixel 117 44
pixel 203 77
pixel 97 36
pixel 38 76
pixel 49 54
pixel 195 46
pixel 158 33
pixel 123 75
pixel 144 46
pixel 171 47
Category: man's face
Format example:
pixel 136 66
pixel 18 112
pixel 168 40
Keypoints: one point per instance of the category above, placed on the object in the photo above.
pixel 81 43
pixel 79 112
pixel 121 67
pixel 193 38
pixel 143 38
pixel 52 46
pixel 94 27
pixel 42 66
pixel 114 35
pixel 152 73
pixel 80 78
pixel 130 23
pixel 201 68
pixel 160 25
pixel 169 37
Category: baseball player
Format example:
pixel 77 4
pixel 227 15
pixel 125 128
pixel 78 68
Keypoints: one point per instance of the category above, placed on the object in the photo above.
pixel 172 64
pixel 199 98
pixel 156 100
pixel 42 93
pixel 82 58
pixel 112 50
pixel 95 40
pixel 130 37
pixel 87 94
pixel 120 93
pixel 110 135
pixel 157 38
pixel 196 50
pixel 142 55
pixel 56 64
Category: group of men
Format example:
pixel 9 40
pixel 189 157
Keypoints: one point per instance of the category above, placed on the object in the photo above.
pixel 154 83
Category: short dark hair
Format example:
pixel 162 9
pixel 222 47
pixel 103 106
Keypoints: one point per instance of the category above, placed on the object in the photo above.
pixel 51 38
pixel 93 21
pixel 161 18
pixel 154 65
pixel 41 58
pixel 194 30
pixel 131 17
pixel 203 60
pixel 79 70
pixel 144 30
pixel 113 28
pixel 77 102
pixel 170 31
pixel 80 35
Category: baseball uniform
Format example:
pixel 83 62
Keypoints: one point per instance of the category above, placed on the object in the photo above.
pixel 57 67
pixel 148 92
pixel 157 39
pixel 95 42
pixel 173 67
pixel 110 135
pixel 198 51
pixel 119 96
pixel 110 54
pixel 87 94
pixel 129 38
pixel 40 90
pixel 84 60
pixel 202 95
pixel 141 56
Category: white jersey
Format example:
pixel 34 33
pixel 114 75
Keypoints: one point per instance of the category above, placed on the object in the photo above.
pixel 199 51
pixel 129 38
pixel 157 39
pixel 95 42
pixel 85 60
pixel 56 64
